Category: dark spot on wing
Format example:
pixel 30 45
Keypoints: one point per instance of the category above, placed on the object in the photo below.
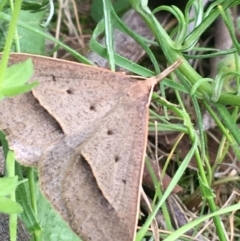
pixel 117 158
pixel 110 132
pixel 69 91
pixel 54 78
pixel 92 107
pixel 124 181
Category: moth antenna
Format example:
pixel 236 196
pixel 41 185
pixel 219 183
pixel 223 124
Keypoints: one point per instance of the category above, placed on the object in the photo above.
pixel 152 81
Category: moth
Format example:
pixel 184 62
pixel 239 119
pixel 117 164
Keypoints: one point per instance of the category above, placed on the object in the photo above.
pixel 85 128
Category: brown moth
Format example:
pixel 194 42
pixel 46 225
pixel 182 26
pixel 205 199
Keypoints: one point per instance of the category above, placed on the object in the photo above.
pixel 86 130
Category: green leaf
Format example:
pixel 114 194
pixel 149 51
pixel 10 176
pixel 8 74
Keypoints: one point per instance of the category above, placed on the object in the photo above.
pixel 9 206
pixel 206 191
pixel 32 42
pixel 35 6
pixel 18 74
pixel 19 89
pixel 119 6
pixel 15 78
pixel 8 185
